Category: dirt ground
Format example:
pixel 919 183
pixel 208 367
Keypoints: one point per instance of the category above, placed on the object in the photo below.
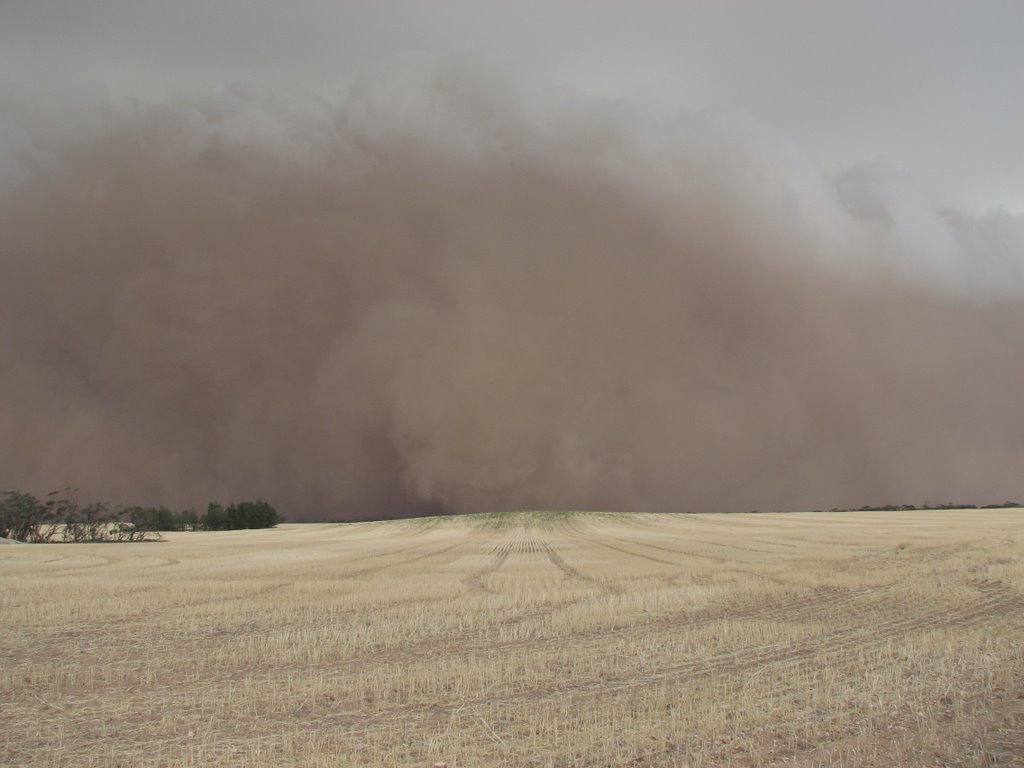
pixel 528 639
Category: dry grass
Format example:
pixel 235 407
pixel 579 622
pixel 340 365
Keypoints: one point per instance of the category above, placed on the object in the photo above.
pixel 535 639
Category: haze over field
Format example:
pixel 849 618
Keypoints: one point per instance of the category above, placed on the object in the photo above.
pixel 468 282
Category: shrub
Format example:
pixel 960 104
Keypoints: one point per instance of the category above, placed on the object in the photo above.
pixel 24 518
pixel 155 518
pixel 92 522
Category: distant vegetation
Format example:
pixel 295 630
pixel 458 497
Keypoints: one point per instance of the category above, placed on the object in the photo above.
pixel 929 505
pixel 60 517
pixel 246 514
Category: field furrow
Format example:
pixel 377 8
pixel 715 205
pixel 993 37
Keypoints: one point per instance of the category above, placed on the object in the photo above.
pixel 530 639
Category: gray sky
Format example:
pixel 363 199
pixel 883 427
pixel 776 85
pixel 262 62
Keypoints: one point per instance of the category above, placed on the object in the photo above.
pixel 932 88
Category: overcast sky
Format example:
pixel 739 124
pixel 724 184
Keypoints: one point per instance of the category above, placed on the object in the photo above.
pixel 930 87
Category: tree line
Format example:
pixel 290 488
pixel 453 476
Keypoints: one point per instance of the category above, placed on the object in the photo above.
pixel 928 505
pixel 61 517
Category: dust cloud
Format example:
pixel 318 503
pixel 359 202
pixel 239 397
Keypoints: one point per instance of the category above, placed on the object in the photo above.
pixel 454 296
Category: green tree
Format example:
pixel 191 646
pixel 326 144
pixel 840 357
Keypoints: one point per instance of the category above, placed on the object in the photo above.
pixel 189 520
pixel 23 517
pixel 214 519
pixel 243 514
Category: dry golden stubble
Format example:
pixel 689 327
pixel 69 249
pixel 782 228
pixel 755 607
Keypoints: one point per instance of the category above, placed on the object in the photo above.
pixel 539 639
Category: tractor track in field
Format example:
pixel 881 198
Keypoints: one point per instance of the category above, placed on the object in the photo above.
pixel 995 599
pixel 351 560
pixel 273 587
pixel 840 645
pixel 567 570
pixel 638 555
pixel 553 638
pixel 499 555
pixel 794 608
pixel 844 642
pixel 406 561
pixel 882 557
pixel 696 537
pixel 543 547
pixel 75 569
pixel 531 546
pixel 699 554
pixel 721 556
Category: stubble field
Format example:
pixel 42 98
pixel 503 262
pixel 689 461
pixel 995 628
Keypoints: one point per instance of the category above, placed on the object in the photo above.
pixel 531 639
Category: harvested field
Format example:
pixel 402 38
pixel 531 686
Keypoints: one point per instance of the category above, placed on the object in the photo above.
pixel 530 639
